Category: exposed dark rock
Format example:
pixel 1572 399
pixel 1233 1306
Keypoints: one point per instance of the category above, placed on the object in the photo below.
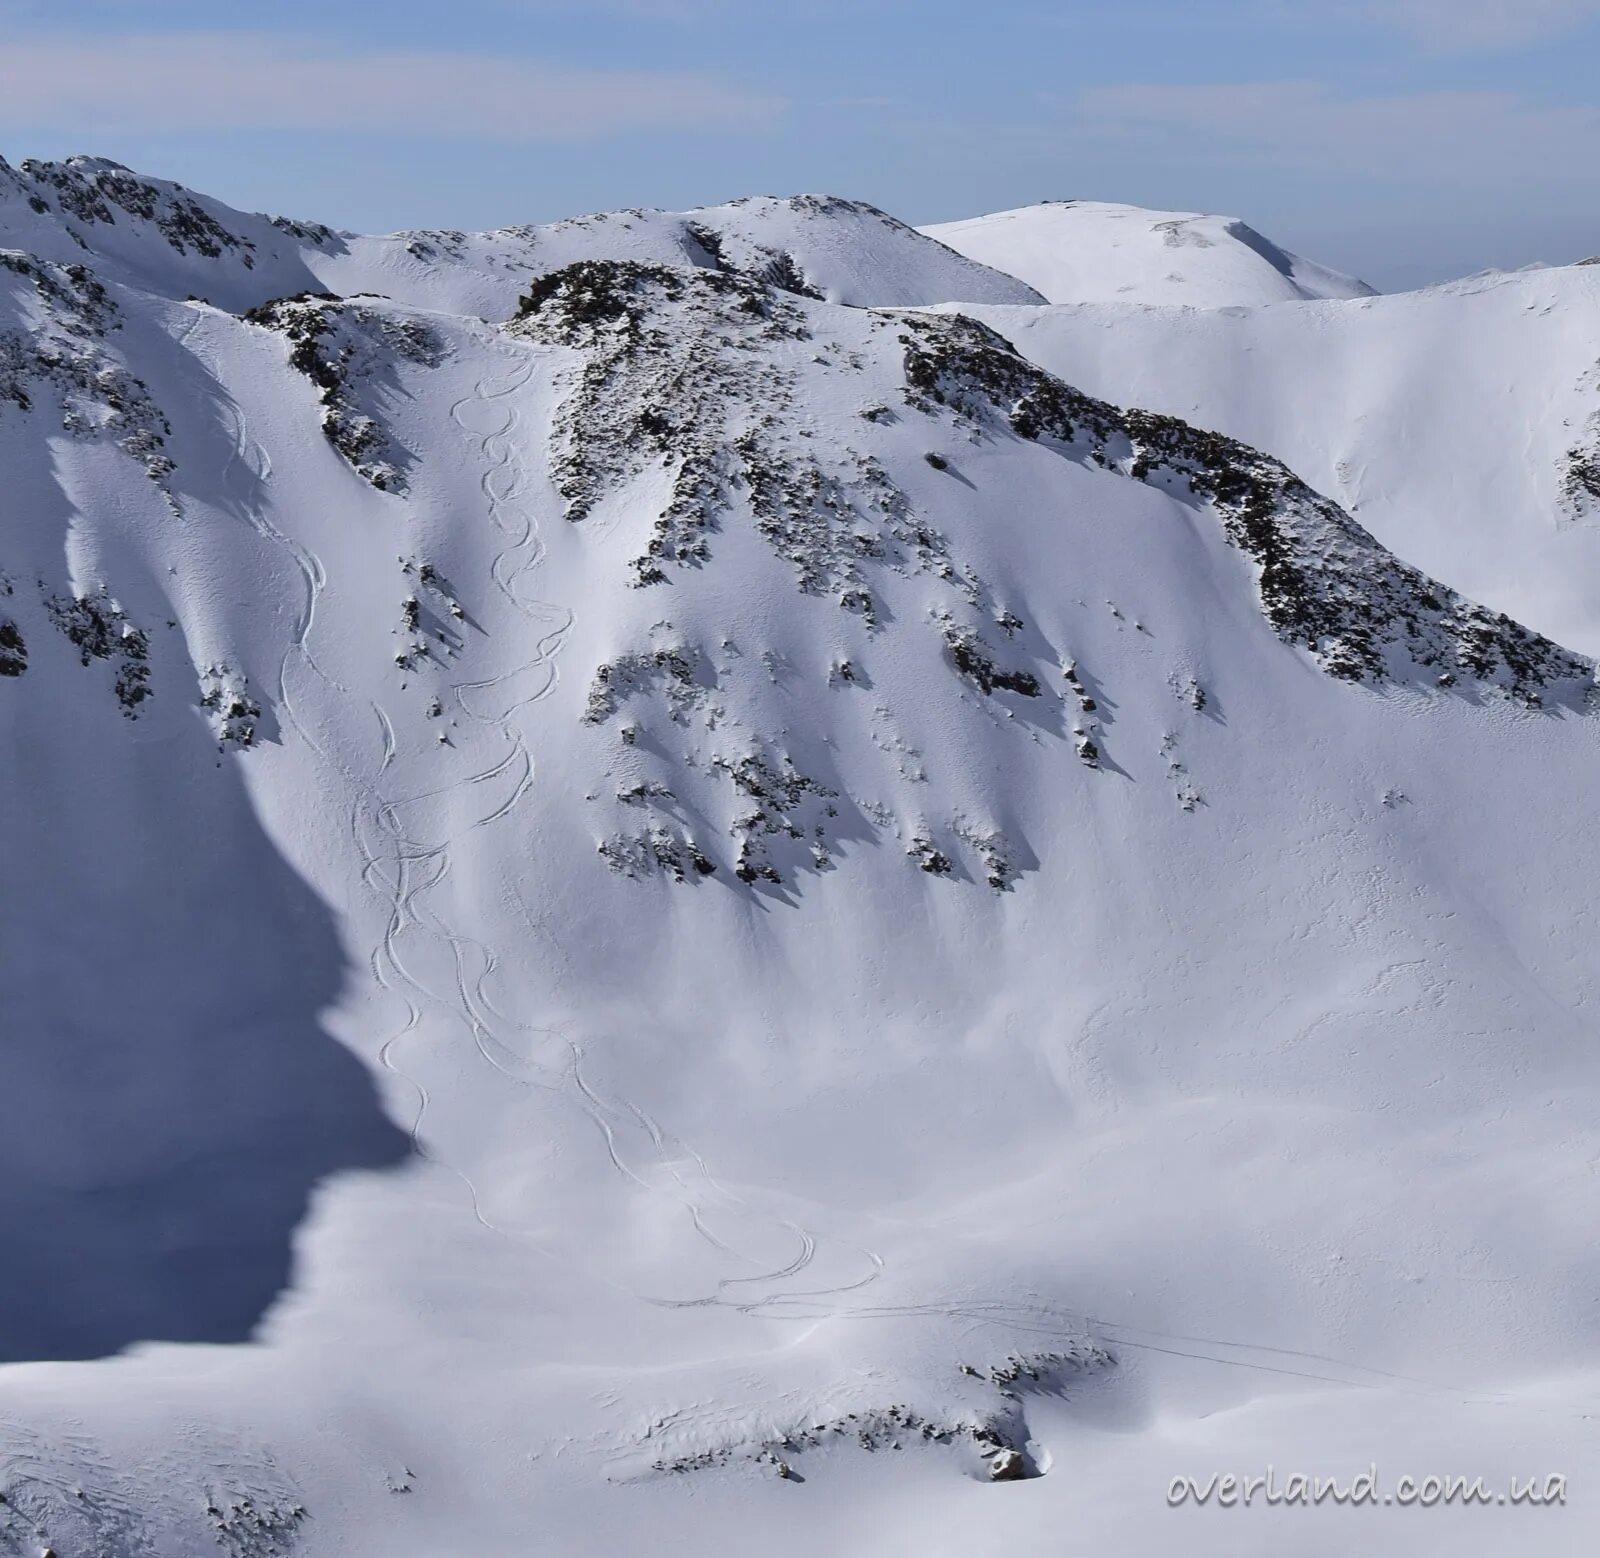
pixel 63 355
pixel 92 190
pixel 99 629
pixel 348 350
pixel 13 651
pixel 971 658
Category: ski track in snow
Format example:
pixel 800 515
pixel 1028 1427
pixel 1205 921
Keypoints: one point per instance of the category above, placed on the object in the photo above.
pixel 420 866
pixel 249 455
pixel 404 870
pixel 411 868
pixel 501 484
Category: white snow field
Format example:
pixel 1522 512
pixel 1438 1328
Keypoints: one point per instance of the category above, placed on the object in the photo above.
pixel 694 919
pixel 1460 424
pixel 1095 251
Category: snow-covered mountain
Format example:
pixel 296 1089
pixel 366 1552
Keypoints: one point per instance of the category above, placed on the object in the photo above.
pixel 162 238
pixel 647 909
pixel 1095 251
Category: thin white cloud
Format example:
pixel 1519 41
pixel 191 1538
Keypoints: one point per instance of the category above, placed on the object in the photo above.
pixel 1471 25
pixel 694 12
pixel 191 81
pixel 677 11
pixel 1467 137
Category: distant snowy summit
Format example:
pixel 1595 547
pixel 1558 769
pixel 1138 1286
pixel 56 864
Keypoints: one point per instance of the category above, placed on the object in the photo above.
pixel 1095 251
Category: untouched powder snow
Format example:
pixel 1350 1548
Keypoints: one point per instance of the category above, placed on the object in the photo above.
pixel 1461 424
pixel 695 919
pixel 1094 251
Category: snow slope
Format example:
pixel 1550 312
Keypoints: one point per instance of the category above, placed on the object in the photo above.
pixel 1460 423
pixel 1095 251
pixel 709 921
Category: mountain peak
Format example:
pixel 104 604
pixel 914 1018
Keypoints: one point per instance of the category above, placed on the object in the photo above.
pixel 1091 251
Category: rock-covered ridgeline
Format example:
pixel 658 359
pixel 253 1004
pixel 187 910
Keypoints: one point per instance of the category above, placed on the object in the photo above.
pixel 1326 584
pixel 678 373
pixel 695 404
pixel 89 192
pixel 53 349
pixel 693 373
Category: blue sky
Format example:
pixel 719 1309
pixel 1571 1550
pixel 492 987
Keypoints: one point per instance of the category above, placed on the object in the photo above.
pixel 1403 139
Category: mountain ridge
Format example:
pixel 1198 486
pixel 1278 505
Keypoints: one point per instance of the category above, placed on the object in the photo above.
pixel 240 260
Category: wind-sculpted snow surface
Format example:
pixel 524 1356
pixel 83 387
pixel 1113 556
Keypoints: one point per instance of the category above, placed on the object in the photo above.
pixel 695 918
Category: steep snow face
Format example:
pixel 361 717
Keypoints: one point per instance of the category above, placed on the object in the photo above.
pixel 162 238
pixel 1094 251
pixel 670 898
pixel 1460 423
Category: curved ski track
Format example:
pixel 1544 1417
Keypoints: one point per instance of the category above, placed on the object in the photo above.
pixel 403 870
